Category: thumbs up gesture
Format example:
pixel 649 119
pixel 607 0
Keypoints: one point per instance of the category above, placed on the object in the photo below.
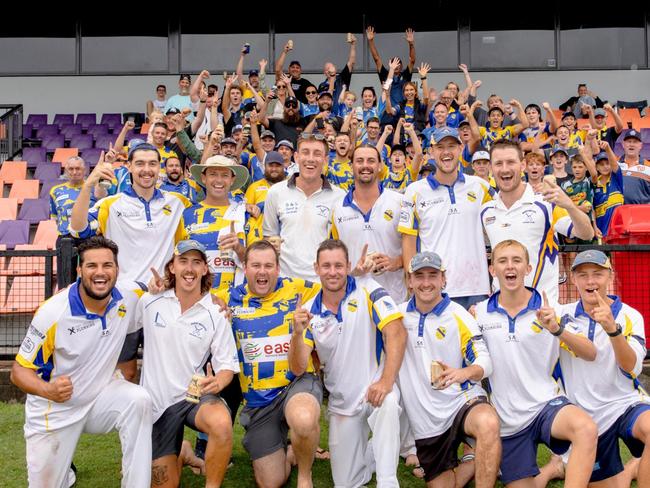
pixel 230 240
pixel 546 315
pixel 301 317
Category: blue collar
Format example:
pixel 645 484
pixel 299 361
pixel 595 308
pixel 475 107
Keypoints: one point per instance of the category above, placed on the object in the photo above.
pixel 534 303
pixel 434 184
pixel 437 310
pixel 348 201
pixel 616 307
pixel 317 305
pixel 77 307
pixel 131 192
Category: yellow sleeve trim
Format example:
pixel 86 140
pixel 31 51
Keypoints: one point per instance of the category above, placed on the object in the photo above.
pixel 390 318
pixel 25 363
pixel 407 230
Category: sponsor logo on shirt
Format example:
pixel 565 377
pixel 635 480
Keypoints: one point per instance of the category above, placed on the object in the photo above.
pixel 265 349
pixel 62 197
pixel 291 208
pixel 529 216
pixel 73 330
pixel 490 326
pixel 388 215
pixel 490 220
pixel 323 211
pixel 28 345
pixel 441 332
pixel 121 311
pixel 34 331
pixel 471 196
pixel 237 311
pixel 198 330
pixel 353 305
pixel 127 214
pixel 348 218
pixel 404 217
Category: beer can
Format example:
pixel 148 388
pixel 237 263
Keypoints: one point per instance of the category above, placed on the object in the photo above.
pixel 193 394
pixel 290 44
pixel 436 370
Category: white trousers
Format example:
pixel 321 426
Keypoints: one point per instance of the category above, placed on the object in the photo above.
pixel 121 406
pixel 353 457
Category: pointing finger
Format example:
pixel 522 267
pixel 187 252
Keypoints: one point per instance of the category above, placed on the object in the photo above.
pixel 156 276
pixel 232 226
pixel 299 302
pixel 545 298
pixel 364 252
pixel 210 371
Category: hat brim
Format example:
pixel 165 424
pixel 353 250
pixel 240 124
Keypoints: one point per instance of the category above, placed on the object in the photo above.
pixel 240 172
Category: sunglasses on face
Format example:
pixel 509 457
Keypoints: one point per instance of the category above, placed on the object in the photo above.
pixel 310 93
pixel 291 105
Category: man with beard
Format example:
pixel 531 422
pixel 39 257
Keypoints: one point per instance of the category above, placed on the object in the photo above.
pixel 66 365
pixel 290 126
pixel 176 182
pixel 182 329
pixel 298 210
pixel 354 326
pixel 441 213
pixel 182 100
pixel 276 400
pixel 256 194
pixel 517 212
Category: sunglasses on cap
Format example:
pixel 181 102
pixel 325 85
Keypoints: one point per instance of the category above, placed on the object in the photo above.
pixel 308 135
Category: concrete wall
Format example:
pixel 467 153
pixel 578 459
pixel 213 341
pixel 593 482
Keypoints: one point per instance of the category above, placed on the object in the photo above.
pixel 74 94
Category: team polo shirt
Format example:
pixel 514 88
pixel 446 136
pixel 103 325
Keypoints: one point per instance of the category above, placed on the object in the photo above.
pixel 188 188
pixel 351 340
pixel 524 355
pixel 398 180
pixel 178 345
pixel 449 334
pixel 378 229
pixel 608 195
pixel 601 387
pixel 256 195
pixel 205 223
pixel 489 135
pixel 445 220
pixel 66 339
pixel 535 223
pixel 62 198
pixel 529 134
pixel 302 221
pixel 339 173
pixel 145 231
pixel 262 328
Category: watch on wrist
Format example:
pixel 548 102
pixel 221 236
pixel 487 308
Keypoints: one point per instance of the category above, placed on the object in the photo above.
pixel 617 332
pixel 559 331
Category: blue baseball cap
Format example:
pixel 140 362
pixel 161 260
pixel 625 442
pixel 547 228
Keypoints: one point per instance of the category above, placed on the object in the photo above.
pixel 600 156
pixel 190 245
pixel 273 157
pixel 440 134
pixel 632 133
pixel 592 256
pixel 425 260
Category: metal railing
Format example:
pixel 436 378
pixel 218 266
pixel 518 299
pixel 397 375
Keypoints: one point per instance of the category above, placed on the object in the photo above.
pixel 11 131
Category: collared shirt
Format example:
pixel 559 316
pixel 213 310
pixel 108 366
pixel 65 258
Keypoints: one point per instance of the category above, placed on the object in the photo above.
pixel 66 339
pixel 62 198
pixel 262 328
pixel 445 219
pixel 601 387
pixel 524 356
pixel 302 221
pixel 205 223
pixel 636 189
pixel 378 229
pixel 608 195
pixel 188 188
pixel 535 223
pixel 179 344
pixel 145 231
pixel 256 195
pixel 351 341
pixel 447 334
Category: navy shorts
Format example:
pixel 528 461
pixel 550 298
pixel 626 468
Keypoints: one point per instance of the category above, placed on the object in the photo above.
pixel 608 455
pixel 519 458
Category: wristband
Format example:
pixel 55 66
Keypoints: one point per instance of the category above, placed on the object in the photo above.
pixel 558 332
pixel 617 332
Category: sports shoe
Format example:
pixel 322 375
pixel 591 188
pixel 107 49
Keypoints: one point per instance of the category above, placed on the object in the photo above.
pixel 199 448
pixel 72 475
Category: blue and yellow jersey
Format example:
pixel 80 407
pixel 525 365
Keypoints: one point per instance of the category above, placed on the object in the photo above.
pixel 577 138
pixel 62 198
pixel 488 136
pixel 165 153
pixel 188 188
pixel 409 112
pixel 339 173
pixel 399 180
pixel 120 182
pixel 341 110
pixel 262 328
pixel 256 195
pixel 529 134
pixel 307 110
pixel 205 223
pixel 608 195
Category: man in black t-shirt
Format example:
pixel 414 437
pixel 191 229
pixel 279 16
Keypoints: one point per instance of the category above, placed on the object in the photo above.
pixel 334 82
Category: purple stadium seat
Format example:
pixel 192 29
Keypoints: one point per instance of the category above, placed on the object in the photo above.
pixel 70 130
pixel 82 141
pixel 91 156
pixel 618 148
pixel 98 130
pixel 52 142
pixel 34 156
pixel 63 119
pixel 114 121
pixel 47 171
pixel 14 232
pixel 134 134
pixel 47 130
pixel 34 210
pixel 645 152
pixel 47 186
pixel 86 120
pixel 28 131
pixel 102 142
pixel 37 120
pixel 645 135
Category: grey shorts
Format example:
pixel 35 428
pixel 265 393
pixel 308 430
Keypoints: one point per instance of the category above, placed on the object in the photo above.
pixel 167 432
pixel 266 427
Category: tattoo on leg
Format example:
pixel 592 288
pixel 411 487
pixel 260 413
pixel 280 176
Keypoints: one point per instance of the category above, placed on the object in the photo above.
pixel 159 475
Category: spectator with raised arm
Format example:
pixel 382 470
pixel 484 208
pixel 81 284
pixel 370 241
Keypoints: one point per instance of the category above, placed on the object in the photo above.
pixel 183 100
pixel 598 120
pixel 334 82
pixel 585 98
pixel 412 109
pixel 298 83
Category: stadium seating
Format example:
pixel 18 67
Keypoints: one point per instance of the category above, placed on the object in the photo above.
pixel 27 265
pixel 48 171
pixel 91 156
pixel 71 130
pixel 46 234
pixel 34 210
pixel 114 121
pixel 34 156
pixel 25 295
pixel 22 189
pixel 86 120
pixel 96 130
pixel 46 186
pixel 8 208
pixel 37 120
pixel 11 171
pixel 14 232
pixel 28 131
pixel 63 119
pixel 103 142
pixel 82 141
pixel 52 142
pixel 47 130
pixel 62 154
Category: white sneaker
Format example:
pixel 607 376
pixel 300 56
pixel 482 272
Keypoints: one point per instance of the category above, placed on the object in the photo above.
pixel 72 477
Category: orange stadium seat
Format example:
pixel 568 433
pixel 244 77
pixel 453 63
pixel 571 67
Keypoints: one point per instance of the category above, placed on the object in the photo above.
pixel 145 128
pixel 8 208
pixel 62 154
pixel 22 189
pixel 25 295
pixel 46 234
pixel 11 171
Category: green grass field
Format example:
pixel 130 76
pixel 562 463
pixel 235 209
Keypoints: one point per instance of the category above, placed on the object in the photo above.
pixel 98 459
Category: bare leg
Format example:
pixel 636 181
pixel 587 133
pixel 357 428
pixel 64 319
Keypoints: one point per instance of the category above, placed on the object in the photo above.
pixel 482 424
pixel 302 412
pixel 214 420
pixel 165 472
pixel 554 469
pixel 188 458
pixel 641 431
pixel 272 471
pixel 443 480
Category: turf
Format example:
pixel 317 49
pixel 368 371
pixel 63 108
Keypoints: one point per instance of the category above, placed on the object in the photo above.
pixel 98 459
